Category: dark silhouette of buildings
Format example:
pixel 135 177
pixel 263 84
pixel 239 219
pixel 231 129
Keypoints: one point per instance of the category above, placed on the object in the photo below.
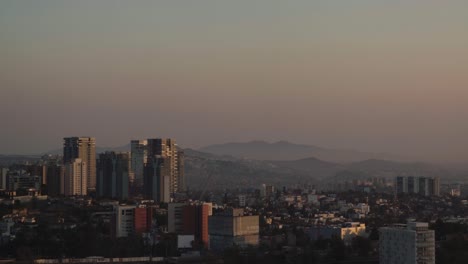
pixel 113 175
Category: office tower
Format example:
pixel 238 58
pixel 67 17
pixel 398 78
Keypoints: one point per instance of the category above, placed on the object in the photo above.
pixel 139 154
pixel 233 228
pixel 83 148
pixel 76 178
pixel 157 179
pixel 167 149
pixel 124 220
pixel 413 243
pixel 55 174
pixel 112 175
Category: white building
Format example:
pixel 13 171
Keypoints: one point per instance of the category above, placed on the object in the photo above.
pixel 76 178
pixel 124 220
pixel 413 243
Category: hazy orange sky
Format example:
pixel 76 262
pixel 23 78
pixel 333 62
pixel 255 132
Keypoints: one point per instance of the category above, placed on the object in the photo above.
pixel 383 76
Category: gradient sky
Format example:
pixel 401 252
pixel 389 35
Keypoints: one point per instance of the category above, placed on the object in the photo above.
pixel 384 76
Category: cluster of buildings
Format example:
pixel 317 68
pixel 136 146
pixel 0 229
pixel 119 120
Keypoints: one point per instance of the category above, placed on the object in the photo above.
pixel 154 169
pixel 425 186
pixel 133 189
pixel 269 217
pixel 194 222
pixel 132 219
pixel 361 184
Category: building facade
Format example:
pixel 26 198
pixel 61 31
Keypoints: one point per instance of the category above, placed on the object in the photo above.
pixel 157 179
pixel 346 232
pixel 113 175
pixel 83 148
pixel 175 217
pixel 76 178
pixel 167 149
pixel 39 170
pixel 425 186
pixel 143 219
pixel 195 222
pixel 231 228
pixel 55 174
pixel 3 178
pixel 124 220
pixel 413 243
pixel 139 157
pixel 22 181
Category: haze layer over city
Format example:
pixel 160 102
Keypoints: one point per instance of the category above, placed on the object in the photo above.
pixel 368 75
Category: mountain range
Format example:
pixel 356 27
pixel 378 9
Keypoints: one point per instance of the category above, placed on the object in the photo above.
pixel 219 172
pixel 283 150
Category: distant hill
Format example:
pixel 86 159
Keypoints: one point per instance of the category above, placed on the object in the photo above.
pixel 211 171
pixel 221 172
pixel 311 166
pixel 283 150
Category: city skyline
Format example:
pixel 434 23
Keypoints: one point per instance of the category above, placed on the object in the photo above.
pixel 207 131
pixel 368 75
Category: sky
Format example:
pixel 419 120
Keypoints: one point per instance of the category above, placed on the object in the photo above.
pixel 380 76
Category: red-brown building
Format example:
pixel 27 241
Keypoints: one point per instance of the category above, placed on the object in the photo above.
pixel 143 217
pixel 195 222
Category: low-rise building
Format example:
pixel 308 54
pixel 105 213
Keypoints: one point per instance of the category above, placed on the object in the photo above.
pixel 346 231
pixel 232 227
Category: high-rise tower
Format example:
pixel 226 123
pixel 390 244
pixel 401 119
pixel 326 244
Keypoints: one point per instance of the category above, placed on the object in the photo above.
pixel 157 179
pixel 139 156
pixel 75 180
pixel 174 161
pixel 113 172
pixel 83 148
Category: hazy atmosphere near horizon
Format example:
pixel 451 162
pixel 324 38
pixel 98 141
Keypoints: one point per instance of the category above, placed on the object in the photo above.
pixel 380 76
